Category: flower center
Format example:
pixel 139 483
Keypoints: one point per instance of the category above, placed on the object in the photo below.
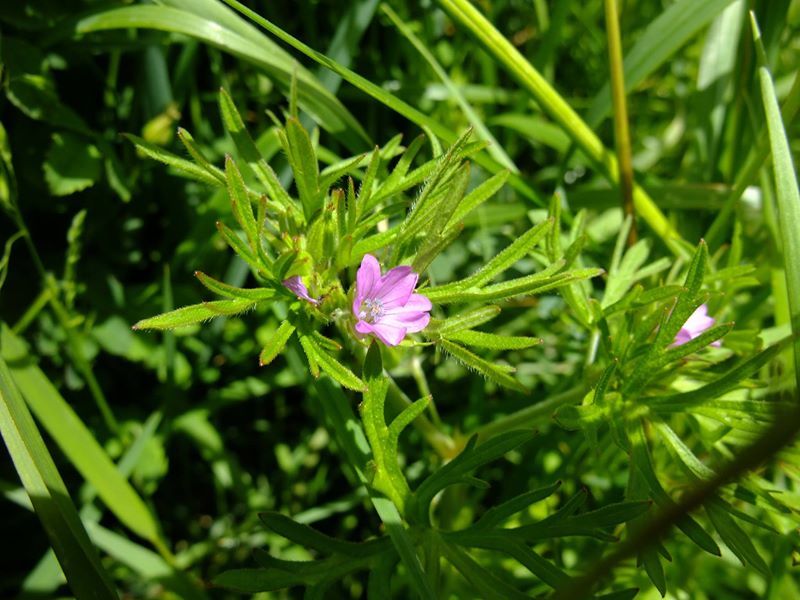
pixel 371 310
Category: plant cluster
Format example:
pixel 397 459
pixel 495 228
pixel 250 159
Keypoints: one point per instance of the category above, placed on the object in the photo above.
pixel 487 358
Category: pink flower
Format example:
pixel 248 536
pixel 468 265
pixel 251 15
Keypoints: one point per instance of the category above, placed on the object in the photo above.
pixel 387 306
pixel 696 324
pixel 295 285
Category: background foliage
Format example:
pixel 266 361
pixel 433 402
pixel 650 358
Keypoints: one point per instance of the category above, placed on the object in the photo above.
pixel 171 444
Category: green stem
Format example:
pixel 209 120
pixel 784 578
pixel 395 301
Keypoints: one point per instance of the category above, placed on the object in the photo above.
pixel 424 389
pixel 621 130
pixel 63 316
pixel 442 444
pixel 33 311
pixel 531 416
pixel 85 369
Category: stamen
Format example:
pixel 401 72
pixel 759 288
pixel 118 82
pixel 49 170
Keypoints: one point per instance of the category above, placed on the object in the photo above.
pixel 372 310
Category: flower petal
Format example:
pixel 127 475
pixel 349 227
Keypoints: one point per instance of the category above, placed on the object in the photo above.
pixel 295 285
pixel 683 336
pixel 396 287
pixel 411 321
pixel 699 321
pixel 363 327
pixel 389 334
pixel 368 278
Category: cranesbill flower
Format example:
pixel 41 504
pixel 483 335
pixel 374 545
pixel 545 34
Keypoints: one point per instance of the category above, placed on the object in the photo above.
pixel 387 306
pixel 295 285
pixel 696 324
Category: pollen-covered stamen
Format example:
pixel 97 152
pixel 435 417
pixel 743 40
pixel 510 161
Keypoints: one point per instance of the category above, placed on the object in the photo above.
pixel 371 310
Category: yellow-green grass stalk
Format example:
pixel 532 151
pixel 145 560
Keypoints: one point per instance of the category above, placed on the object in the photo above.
pixel 561 112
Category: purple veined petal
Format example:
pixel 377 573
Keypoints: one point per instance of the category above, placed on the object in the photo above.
pixel 415 311
pixel 363 327
pixel 396 286
pixel 295 285
pixel 412 322
pixel 418 302
pixel 699 321
pixel 682 337
pixel 368 279
pixel 388 334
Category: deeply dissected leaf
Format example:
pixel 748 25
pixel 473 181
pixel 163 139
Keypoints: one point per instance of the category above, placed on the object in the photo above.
pixel 488 585
pixel 499 513
pixel 497 373
pixel 493 341
pixel 510 255
pixel 196 313
pixel 184 167
pixel 734 536
pixel 303 160
pixel 640 456
pixel 240 201
pixel 478 196
pixel 276 343
pixel 197 154
pixel 338 372
pixel 456 470
pixel 466 320
pixel 230 291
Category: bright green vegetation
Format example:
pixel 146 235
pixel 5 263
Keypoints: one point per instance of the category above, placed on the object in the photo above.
pixel 571 180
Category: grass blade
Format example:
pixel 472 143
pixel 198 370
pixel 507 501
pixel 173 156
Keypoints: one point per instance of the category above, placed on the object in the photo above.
pixel 659 41
pixel 212 23
pixel 558 108
pixel 53 506
pixel 382 96
pixel 787 192
pixel 76 441
pixel 482 132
